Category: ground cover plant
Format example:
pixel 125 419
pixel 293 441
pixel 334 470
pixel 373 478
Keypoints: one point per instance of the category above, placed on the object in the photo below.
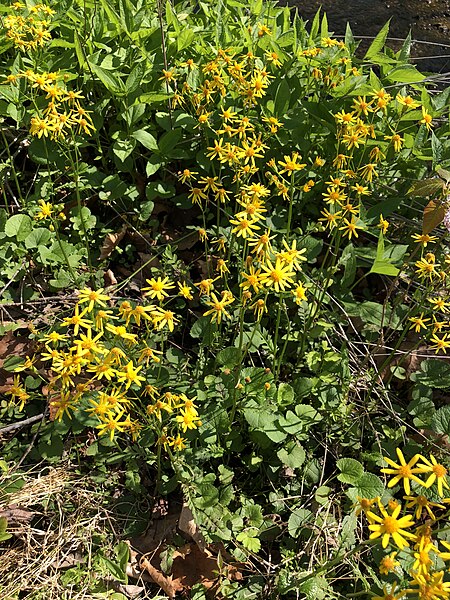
pixel 224 307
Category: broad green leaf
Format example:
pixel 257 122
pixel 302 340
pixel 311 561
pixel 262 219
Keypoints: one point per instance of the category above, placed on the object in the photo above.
pixel 350 470
pixel 111 81
pixel 146 139
pixel 37 237
pixel 297 521
pixel 440 421
pixel 293 458
pixel 405 74
pixel 154 97
pixel 282 98
pixel 249 540
pixel 229 357
pixel 264 421
pixel 378 43
pixel 381 265
pixel 19 226
pixel 369 486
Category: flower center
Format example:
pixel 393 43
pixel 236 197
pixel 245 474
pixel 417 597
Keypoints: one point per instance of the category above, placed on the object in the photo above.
pixel 390 525
pixel 404 471
pixel 422 501
pixel 439 471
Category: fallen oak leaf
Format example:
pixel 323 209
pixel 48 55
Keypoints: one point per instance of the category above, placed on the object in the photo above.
pixel 110 243
pixel 187 525
pixel 167 584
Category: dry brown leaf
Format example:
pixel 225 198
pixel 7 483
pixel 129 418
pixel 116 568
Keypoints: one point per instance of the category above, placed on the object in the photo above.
pixel 111 241
pixel 191 565
pixel 433 215
pixel 130 591
pixel 187 525
pixel 16 516
pixel 167 584
pixel 109 278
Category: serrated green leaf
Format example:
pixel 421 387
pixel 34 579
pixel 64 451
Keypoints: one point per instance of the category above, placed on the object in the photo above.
pixel 378 43
pixel 350 470
pixel 297 521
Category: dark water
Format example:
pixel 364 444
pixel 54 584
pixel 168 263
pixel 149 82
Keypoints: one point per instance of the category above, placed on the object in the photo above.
pixel 429 21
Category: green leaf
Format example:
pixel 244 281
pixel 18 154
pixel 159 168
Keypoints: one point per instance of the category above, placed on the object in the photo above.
pixel 19 226
pixel 153 98
pixel 378 43
pixel 297 521
pixel 37 237
pixel 168 141
pixel 111 82
pixel 381 265
pixel 350 470
pixel 348 538
pixel 293 458
pixel 405 74
pixel 249 540
pixel 146 139
pixel 440 421
pixel 185 38
pixel 134 78
pixel 229 357
pixel 285 394
pixel 433 373
pixel 369 486
pixel 282 98
pixel 264 421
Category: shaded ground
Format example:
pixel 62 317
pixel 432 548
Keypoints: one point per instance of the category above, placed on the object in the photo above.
pixel 429 21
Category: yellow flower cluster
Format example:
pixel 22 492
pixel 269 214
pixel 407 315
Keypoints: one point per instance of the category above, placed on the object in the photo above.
pixel 388 526
pixel 30 29
pixel 100 363
pixel 64 113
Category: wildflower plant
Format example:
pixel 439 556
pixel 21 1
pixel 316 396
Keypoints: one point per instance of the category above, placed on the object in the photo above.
pixel 244 287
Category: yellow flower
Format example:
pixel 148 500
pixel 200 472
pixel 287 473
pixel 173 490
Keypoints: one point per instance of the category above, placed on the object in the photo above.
pixel 77 320
pixel 188 420
pixel 403 471
pixel 350 228
pixel 112 424
pixel 424 238
pixel 299 294
pixel 177 443
pixel 391 595
pixel 426 267
pixel 437 473
pixel 130 375
pixel 383 224
pixel 46 210
pixel 291 163
pixel 252 279
pixel 427 119
pixel 121 331
pixel 162 317
pixel 418 323
pixel 387 526
pixel 388 563
pixel 185 291
pixel 420 502
pixel 279 276
pixel 157 288
pixel 440 343
pixel 244 227
pixel 422 556
pixel 218 308
pixel 93 297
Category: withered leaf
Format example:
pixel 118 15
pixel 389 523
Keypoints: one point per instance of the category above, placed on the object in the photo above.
pixel 433 215
pixel 111 241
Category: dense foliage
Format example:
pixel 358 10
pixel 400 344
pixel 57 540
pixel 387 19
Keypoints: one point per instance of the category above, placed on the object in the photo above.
pixel 223 255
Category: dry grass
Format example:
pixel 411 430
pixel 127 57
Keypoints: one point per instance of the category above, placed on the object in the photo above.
pixel 69 519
